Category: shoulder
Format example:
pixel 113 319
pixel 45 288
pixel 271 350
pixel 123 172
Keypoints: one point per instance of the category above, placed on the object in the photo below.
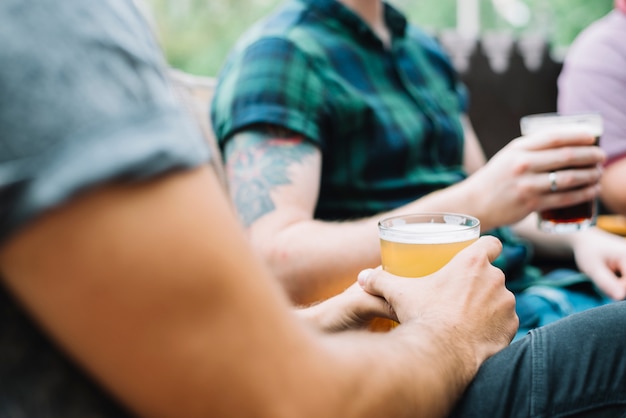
pixel 277 46
pixel 422 38
pixel 91 82
pixel 430 49
pixel 285 28
pixel 271 74
pixel 426 42
pixel 604 38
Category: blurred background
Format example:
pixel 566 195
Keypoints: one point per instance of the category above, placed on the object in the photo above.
pixel 197 34
pixel 508 52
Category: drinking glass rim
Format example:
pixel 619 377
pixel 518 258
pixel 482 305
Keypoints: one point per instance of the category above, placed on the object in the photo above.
pixel 563 114
pixel 468 226
pixel 555 118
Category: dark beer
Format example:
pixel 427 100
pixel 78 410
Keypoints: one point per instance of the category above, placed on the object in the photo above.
pixel 570 218
pixel 581 215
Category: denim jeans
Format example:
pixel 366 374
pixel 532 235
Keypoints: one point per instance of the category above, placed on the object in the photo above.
pixel 543 304
pixel 573 367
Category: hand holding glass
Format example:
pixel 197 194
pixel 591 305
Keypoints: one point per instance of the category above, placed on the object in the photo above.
pixel 416 245
pixel 579 216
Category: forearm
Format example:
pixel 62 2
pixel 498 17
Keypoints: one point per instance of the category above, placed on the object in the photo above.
pixel 177 323
pixel 390 385
pixel 467 196
pixel 315 259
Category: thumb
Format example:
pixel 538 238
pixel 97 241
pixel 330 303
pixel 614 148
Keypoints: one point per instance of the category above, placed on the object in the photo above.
pixel 371 281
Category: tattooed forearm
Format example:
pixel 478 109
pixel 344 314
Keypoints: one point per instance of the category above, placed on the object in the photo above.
pixel 257 161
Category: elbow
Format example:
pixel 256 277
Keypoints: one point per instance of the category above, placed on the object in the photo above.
pixel 614 202
pixel 612 187
pixel 303 281
pixel 282 262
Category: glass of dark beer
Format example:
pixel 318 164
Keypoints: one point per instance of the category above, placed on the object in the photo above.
pixel 580 216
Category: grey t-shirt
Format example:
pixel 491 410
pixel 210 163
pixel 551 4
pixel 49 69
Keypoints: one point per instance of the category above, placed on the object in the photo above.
pixel 84 99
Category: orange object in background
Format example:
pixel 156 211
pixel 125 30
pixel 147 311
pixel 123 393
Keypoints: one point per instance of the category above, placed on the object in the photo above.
pixel 615 224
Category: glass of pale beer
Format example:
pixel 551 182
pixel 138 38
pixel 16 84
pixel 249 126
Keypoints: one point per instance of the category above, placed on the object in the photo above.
pixel 419 244
pixel 582 215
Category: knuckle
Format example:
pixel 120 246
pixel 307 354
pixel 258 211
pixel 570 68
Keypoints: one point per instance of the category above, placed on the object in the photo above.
pixel 511 299
pixel 474 258
pixel 521 165
pixel 374 277
pixel 524 188
pixel 493 241
pixel 527 195
pixel 568 154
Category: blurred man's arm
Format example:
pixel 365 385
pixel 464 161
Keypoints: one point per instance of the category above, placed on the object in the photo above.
pixel 168 308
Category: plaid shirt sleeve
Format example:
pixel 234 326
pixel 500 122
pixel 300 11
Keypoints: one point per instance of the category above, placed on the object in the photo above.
pixel 269 81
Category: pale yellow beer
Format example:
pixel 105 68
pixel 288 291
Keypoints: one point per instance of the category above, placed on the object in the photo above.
pixel 417 260
pixel 417 245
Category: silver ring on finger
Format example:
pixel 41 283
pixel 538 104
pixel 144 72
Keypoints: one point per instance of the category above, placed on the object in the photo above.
pixel 552 179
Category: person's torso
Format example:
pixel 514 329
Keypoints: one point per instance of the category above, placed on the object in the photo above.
pixel 388 117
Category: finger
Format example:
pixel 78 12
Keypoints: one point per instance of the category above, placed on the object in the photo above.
pixel 365 304
pixel 354 287
pixel 619 273
pixel 565 198
pixel 561 180
pixel 489 244
pixel 371 280
pixel 369 306
pixel 557 137
pixel 609 283
pixel 583 157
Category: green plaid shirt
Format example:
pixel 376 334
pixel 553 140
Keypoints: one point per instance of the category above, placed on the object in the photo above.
pixel 385 119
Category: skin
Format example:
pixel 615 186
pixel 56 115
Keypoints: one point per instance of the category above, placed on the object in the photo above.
pixel 284 231
pixel 172 312
pixel 579 93
pixel 612 194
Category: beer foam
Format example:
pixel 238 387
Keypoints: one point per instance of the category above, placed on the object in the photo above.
pixel 429 233
pixel 593 129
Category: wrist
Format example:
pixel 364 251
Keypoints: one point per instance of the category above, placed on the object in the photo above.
pixel 450 363
pixel 458 356
pixel 470 195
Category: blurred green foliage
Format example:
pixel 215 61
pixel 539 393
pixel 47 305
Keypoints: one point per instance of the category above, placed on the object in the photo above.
pixel 571 16
pixel 197 34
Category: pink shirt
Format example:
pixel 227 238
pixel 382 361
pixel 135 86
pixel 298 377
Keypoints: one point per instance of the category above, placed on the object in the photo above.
pixel 594 78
